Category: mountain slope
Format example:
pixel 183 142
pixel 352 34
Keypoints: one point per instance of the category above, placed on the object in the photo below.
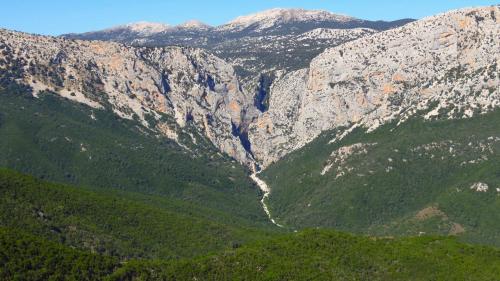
pixel 40 221
pixel 188 85
pixel 124 225
pixel 270 54
pixel 451 59
pixel 318 255
pixel 404 129
pixel 59 140
pixel 27 257
pixel 433 177
pixel 327 255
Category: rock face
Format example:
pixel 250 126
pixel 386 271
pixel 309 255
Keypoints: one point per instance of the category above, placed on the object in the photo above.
pixel 445 66
pixel 189 85
pixel 261 47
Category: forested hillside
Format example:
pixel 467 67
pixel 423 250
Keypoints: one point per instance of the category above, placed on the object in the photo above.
pixel 423 176
pixel 59 140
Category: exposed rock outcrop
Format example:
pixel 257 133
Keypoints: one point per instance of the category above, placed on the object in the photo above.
pixel 187 84
pixel 443 65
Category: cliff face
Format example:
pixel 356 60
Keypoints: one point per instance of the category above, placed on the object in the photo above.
pixel 189 85
pixel 445 66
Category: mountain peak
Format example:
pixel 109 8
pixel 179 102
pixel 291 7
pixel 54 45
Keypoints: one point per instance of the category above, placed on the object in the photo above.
pixel 194 24
pixel 143 27
pixel 276 15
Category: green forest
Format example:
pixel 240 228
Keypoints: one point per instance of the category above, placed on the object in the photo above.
pixel 110 200
pixel 401 180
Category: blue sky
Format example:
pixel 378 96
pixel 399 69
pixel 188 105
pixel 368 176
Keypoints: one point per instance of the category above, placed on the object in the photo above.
pixel 63 16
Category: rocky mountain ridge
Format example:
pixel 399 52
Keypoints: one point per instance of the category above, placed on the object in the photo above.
pixel 261 43
pixel 271 18
pixel 150 85
pixel 142 28
pixel 273 21
pixel 446 65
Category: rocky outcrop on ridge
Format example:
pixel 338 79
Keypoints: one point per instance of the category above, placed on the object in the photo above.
pixel 189 85
pixel 445 65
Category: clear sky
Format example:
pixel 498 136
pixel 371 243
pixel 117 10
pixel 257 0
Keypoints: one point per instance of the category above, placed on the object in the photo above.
pixel 64 16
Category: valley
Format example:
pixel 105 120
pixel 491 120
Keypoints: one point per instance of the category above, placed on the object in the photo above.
pixel 267 191
pixel 289 144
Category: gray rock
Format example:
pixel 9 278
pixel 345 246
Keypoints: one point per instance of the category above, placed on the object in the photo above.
pixel 450 60
pixel 190 85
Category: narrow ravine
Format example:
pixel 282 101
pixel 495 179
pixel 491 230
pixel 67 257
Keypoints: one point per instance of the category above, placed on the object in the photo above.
pixel 263 186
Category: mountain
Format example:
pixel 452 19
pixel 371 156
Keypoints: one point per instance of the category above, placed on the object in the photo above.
pixel 261 48
pixel 140 28
pixel 194 25
pixel 447 63
pixel 404 130
pixel 146 162
pixel 188 85
pixel 56 139
pixel 443 63
pixel 141 31
pixel 275 17
pixel 258 44
pixel 271 22
pixel 297 21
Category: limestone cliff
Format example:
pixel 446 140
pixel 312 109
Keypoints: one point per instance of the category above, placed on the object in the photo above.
pixel 445 65
pixel 187 84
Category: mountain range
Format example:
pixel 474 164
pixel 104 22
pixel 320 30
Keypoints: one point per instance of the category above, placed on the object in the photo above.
pixel 256 45
pixel 149 141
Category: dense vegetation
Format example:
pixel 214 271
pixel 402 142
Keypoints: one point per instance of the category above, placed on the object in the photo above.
pixel 112 224
pixel 405 180
pixel 308 255
pixel 26 257
pixel 328 255
pixel 58 140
